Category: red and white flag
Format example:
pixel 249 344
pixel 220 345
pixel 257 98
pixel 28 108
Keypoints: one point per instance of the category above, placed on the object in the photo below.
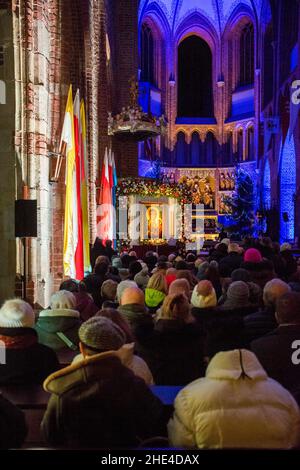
pixel 105 212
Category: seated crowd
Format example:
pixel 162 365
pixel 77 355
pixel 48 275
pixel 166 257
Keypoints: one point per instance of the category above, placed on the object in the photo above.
pixel 224 327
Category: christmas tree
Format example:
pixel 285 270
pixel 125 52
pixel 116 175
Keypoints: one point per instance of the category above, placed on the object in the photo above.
pixel 241 221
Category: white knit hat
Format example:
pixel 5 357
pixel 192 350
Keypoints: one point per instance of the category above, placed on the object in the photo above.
pixel 16 313
pixel 63 299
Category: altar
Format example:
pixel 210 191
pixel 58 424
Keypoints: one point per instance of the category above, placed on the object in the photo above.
pixel 185 205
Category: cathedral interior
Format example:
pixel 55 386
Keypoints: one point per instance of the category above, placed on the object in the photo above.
pixel 220 73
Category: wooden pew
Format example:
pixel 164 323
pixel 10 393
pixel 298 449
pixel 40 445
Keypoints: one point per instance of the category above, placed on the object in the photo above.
pixel 33 401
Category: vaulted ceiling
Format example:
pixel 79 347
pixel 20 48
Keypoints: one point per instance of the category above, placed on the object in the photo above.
pixel 217 12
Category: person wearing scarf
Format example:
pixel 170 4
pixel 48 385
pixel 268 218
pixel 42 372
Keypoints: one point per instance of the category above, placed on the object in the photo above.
pixel 23 359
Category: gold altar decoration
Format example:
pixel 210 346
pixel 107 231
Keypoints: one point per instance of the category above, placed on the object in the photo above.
pixel 202 189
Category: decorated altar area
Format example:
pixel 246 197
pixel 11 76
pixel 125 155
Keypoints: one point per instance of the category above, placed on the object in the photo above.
pixel 182 206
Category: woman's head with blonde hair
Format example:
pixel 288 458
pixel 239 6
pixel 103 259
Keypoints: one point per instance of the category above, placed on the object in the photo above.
pixel 158 282
pixel 175 307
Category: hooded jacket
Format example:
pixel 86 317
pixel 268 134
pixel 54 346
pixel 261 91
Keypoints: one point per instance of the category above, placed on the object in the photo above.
pixel 100 403
pixel 52 322
pixel 235 406
pixel 135 314
pixel 130 360
pixel 154 298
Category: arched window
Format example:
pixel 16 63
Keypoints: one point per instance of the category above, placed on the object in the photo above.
pixel 267 186
pixel 181 149
pixel 195 149
pixel 195 93
pixel 268 65
pixel 247 55
pixel 210 149
pixel 250 143
pixel 240 145
pixel 228 150
pixel 287 190
pixel 147 55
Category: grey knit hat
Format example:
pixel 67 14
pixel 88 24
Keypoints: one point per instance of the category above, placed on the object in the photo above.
pixel 102 334
pixel 238 292
pixel 142 278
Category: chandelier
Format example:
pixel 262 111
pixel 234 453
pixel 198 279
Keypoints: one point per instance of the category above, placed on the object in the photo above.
pixel 132 123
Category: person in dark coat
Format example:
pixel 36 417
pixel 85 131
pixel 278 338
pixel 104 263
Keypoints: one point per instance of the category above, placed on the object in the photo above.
pixel 232 261
pixel 173 346
pixel 109 251
pixel 277 351
pixel 26 361
pixel 262 322
pixel 290 263
pixel 98 249
pixel 95 280
pixel 13 429
pixel 132 307
pixel 219 252
pixel 261 270
pixel 98 402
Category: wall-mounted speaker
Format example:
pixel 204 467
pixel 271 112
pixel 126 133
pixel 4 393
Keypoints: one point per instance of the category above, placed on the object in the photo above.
pixel 285 217
pixel 26 218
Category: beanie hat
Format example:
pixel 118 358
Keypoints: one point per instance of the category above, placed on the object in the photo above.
pixel 16 313
pixel 238 293
pixel 252 255
pixel 102 334
pixel 202 268
pixel 240 274
pixel 142 277
pixel 285 247
pixel 204 295
pixel 62 299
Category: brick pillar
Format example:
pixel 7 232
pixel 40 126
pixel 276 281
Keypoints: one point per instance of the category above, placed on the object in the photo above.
pixel 125 22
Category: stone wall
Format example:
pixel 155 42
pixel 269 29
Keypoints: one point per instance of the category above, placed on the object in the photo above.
pixel 58 43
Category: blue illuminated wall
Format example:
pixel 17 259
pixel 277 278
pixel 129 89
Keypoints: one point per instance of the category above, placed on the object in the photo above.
pixel 267 186
pixel 287 175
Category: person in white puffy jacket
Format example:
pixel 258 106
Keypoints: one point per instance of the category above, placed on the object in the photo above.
pixel 236 405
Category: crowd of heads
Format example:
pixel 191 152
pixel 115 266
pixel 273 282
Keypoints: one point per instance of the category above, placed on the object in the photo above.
pixel 168 315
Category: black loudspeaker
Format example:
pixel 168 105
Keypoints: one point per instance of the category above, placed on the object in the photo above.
pixel 285 217
pixel 26 218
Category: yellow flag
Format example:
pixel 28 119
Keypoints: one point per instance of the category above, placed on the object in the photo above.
pixel 84 190
pixel 67 137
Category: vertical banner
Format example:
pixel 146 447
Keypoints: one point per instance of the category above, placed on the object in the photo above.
pixel 77 212
pixel 84 190
pixel 68 138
